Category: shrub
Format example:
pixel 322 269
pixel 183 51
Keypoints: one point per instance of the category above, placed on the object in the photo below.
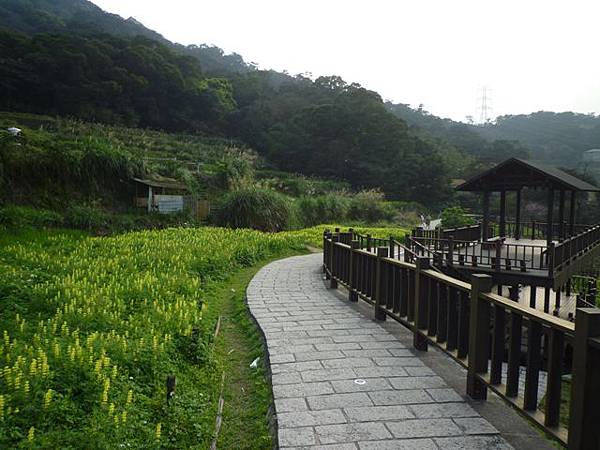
pixel 86 217
pixel 370 207
pixel 22 216
pixel 455 217
pixel 328 208
pixel 260 209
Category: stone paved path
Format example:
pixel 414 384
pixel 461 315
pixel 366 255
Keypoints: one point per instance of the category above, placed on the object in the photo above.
pixel 340 381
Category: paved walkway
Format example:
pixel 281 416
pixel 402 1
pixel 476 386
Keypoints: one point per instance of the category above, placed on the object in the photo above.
pixel 341 381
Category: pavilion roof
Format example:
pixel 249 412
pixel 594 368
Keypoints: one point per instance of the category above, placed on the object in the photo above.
pixel 514 174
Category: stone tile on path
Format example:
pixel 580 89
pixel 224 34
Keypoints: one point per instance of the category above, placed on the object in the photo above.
pixel 342 382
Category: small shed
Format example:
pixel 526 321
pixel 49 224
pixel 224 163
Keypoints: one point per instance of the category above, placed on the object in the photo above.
pixel 164 195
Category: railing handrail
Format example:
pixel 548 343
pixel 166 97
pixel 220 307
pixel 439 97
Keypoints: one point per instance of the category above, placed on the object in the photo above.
pixel 468 322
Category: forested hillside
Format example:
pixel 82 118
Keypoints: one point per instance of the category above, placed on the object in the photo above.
pixel 460 135
pixel 554 138
pixel 324 127
pixel 83 17
pixel 557 138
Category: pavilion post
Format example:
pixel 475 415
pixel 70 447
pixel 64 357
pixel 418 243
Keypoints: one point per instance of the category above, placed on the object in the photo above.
pixel 561 215
pixel 550 217
pixel 486 216
pixel 572 214
pixel 518 216
pixel 502 213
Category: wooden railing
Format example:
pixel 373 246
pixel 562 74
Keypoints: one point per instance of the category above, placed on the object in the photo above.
pixel 569 250
pixel 483 332
pixel 537 230
pixel 468 233
pixel 494 255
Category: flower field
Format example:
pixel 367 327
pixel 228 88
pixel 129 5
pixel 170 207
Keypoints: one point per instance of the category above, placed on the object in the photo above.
pixel 92 326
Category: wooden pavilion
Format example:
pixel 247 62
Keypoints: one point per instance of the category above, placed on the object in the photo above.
pixel 514 175
pixel 519 255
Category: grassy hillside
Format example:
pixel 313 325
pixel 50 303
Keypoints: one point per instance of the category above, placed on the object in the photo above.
pixel 79 174
pixel 54 157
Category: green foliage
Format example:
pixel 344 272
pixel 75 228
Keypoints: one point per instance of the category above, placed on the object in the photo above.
pixel 332 129
pixel 92 327
pixel 57 162
pixel 329 208
pixel 455 217
pixel 261 209
pixel 555 138
pixel 235 169
pixel 366 207
pixel 370 207
pixel 132 81
pixel 19 217
pixel 298 185
pixel 86 216
pixel 326 127
pixel 460 143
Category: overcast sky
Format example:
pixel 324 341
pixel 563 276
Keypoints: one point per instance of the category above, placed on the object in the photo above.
pixel 532 55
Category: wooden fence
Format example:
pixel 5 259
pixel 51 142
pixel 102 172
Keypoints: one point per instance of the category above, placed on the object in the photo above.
pixel 482 331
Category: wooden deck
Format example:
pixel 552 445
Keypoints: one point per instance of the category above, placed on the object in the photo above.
pixel 567 304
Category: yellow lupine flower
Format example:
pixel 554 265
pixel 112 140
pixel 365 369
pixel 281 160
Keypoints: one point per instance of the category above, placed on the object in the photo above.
pixel 33 367
pixel 47 398
pixel 158 430
pixel 31 434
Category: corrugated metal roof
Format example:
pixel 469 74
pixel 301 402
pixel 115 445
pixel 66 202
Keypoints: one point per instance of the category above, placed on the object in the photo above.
pixel 167 183
pixel 557 177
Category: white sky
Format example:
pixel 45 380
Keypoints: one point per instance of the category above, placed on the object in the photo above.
pixel 532 55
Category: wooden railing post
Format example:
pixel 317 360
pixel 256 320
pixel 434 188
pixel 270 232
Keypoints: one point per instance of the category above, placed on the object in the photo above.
pixel 369 242
pixel 498 259
pixel 584 432
pixel 325 251
pixel 352 293
pixel 450 256
pixel 380 281
pixel 327 254
pixel 479 336
pixel 333 284
pixel 551 258
pixel 420 313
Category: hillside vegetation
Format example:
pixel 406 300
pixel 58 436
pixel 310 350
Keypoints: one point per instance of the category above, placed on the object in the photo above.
pixel 101 71
pixel 100 67
pixel 79 174
pixel 555 138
